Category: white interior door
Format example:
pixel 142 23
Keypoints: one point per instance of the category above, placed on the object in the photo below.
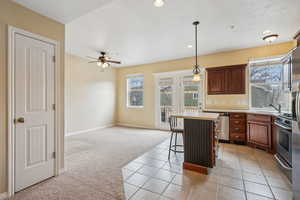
pixel 177 93
pixel 34 113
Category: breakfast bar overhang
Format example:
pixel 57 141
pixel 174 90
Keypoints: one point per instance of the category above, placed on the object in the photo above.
pixel 199 140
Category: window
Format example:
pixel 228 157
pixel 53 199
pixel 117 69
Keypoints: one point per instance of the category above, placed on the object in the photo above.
pixel 166 98
pixel 192 96
pixel 135 91
pixel 195 96
pixel 267 80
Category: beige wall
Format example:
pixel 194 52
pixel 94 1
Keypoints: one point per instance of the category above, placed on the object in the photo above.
pixel 20 17
pixel 90 95
pixel 146 116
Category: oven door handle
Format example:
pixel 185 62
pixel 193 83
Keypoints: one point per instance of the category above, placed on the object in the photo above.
pixel 284 127
pixel 282 164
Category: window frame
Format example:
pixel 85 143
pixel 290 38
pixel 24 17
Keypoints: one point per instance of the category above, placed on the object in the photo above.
pixel 267 61
pixel 131 76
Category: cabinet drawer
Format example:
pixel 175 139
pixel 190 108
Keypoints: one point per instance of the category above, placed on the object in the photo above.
pixel 237 116
pixel 259 118
pixel 237 137
pixel 237 122
pixel 237 129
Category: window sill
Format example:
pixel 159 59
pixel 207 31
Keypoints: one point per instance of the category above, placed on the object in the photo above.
pixel 135 107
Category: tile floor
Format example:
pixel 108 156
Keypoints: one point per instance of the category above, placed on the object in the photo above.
pixel 241 173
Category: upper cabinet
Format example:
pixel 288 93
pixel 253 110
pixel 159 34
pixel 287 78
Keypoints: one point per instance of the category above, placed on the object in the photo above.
pixel 297 37
pixel 216 81
pixel 226 80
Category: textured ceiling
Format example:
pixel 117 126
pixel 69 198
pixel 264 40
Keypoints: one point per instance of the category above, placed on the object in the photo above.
pixel 136 32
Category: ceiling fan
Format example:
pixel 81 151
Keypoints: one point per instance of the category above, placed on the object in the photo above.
pixel 103 60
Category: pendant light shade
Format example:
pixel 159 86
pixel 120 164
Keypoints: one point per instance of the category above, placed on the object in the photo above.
pixel 196 70
pixel 196 77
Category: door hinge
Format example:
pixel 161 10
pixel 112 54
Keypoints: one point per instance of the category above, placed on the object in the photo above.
pixel 54 155
pixel 53 106
pixel 53 59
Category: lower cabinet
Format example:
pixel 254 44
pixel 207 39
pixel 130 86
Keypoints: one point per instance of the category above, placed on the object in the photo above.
pixel 237 127
pixel 259 131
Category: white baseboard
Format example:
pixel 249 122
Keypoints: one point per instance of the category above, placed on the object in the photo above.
pixel 134 126
pixel 4 196
pixel 141 127
pixel 88 130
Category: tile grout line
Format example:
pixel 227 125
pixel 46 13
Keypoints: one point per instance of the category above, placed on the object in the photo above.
pixel 151 176
pixel 176 172
pixel 267 181
pixel 245 192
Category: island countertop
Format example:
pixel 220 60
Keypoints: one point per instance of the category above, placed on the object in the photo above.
pixel 198 116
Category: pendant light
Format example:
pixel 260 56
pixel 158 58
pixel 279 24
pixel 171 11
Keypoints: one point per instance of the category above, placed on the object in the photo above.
pixel 196 70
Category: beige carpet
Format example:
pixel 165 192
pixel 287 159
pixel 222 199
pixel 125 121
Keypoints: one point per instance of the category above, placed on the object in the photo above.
pixel 94 161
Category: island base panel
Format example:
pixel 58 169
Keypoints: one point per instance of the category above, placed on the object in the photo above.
pixel 196 168
pixel 198 142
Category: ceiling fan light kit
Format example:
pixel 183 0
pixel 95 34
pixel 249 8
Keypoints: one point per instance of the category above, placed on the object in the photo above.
pixel 103 61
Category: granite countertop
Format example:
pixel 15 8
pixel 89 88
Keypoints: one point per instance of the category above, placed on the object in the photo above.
pixel 199 116
pixel 258 112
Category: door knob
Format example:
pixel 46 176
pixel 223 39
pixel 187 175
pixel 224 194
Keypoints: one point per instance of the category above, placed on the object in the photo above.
pixel 20 120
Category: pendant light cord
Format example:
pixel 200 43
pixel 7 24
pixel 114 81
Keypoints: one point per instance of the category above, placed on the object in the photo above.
pixel 196 69
pixel 196 40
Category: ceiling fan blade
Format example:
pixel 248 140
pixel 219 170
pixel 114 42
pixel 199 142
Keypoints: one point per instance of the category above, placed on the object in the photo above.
pixel 112 61
pixel 93 62
pixel 92 58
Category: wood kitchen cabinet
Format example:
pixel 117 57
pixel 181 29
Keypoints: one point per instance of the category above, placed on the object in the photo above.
pixel 237 127
pixel 226 80
pixel 297 37
pixel 259 131
pixel 216 81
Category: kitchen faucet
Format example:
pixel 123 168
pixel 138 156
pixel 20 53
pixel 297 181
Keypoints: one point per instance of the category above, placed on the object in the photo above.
pixel 278 109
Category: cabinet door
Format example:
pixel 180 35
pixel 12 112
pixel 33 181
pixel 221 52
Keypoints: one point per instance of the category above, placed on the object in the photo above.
pixel 235 83
pixel 216 82
pixel 297 37
pixel 259 133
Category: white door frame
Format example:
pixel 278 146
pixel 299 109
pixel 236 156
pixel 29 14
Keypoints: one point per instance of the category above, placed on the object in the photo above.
pixel 160 75
pixel 12 31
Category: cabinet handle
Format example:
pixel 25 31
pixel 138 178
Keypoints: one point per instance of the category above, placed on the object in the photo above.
pixel 237 129
pixel 237 136
pixel 236 115
pixel 236 122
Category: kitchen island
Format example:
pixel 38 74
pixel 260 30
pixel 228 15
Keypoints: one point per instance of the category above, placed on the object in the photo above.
pixel 199 140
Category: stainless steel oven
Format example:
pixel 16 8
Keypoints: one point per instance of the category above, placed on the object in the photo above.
pixel 284 143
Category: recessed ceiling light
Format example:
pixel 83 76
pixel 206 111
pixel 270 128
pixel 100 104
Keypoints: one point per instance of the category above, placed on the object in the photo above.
pixel 190 46
pixel 158 3
pixel 269 36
